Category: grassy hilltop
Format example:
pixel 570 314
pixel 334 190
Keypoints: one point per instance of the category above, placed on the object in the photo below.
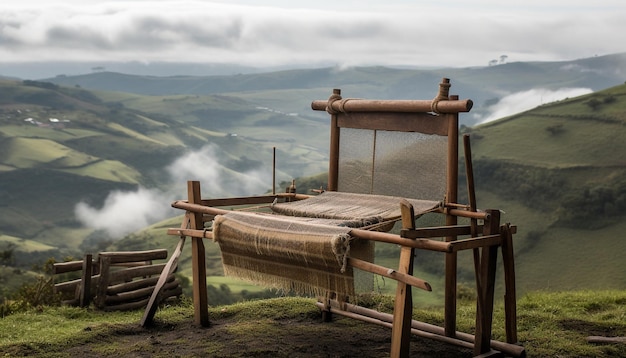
pixel 559 173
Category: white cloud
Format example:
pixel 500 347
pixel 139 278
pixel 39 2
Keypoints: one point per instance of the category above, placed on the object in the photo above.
pixel 450 33
pixel 204 165
pixel 124 212
pixel 525 100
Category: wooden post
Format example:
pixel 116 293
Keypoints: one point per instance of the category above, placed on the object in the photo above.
pixel 198 259
pixel 273 170
pixel 333 163
pixel 451 197
pixel 85 288
pixel 510 296
pixel 403 308
pixel 103 282
pixel 488 260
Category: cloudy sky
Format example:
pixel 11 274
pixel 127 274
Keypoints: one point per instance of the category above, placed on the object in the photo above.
pixel 385 32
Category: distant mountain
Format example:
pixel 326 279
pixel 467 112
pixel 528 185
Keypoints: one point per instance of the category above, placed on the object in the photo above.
pixel 484 85
pixel 36 70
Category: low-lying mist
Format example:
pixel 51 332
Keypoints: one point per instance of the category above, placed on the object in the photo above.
pixel 522 101
pixel 124 212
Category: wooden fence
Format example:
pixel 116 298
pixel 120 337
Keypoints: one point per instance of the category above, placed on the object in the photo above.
pixel 115 280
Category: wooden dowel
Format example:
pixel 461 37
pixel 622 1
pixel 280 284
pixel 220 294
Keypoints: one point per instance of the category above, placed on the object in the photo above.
pixel 139 293
pixel 135 285
pixel 468 214
pixel 70 266
pixel 600 339
pixel 183 204
pixel 507 348
pixel 369 105
pixel 199 208
pixel 424 244
pixel 191 233
pixel 134 256
pixel 360 234
pixel 138 304
pixel 437 231
pixel 475 242
pixel 390 273
pixel 118 276
pixel 249 200
pixel 414 331
pixel 395 239
pixel 67 286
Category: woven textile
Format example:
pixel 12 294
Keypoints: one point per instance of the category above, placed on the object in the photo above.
pixel 357 210
pixel 304 257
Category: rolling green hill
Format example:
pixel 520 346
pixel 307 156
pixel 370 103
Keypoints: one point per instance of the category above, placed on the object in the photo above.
pixel 557 170
pixel 60 146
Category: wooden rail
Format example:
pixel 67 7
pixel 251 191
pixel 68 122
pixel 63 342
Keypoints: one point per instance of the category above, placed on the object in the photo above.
pixel 115 280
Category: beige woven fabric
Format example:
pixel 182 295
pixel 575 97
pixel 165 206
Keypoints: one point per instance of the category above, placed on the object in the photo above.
pixel 357 210
pixel 305 248
pixel 307 258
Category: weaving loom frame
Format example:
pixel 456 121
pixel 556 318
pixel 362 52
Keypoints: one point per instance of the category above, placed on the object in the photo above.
pixel 439 116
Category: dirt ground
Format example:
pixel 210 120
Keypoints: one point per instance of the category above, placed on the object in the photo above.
pixel 301 337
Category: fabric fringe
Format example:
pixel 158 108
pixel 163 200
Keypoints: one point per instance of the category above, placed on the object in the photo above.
pixel 290 256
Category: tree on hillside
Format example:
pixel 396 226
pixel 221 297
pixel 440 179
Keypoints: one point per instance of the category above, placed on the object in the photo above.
pixel 7 256
pixel 503 58
pixel 593 103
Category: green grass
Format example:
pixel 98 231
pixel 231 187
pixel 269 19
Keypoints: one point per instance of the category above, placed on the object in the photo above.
pixel 23 244
pixel 56 326
pixel 109 170
pixel 565 134
pixel 549 324
pixel 29 153
pixel 72 237
pixel 566 259
pixel 30 131
pixel 133 134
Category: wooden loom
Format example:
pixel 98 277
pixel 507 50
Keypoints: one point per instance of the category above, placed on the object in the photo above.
pixel 484 235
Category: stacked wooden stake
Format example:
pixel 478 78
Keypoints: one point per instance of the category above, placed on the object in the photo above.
pixel 115 280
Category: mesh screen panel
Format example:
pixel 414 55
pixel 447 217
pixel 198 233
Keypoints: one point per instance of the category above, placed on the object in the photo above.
pixel 407 164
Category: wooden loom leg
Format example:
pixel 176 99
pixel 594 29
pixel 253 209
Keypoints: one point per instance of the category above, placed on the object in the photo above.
pixel 172 264
pixel 510 296
pixel 484 313
pixel 403 308
pixel 198 259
